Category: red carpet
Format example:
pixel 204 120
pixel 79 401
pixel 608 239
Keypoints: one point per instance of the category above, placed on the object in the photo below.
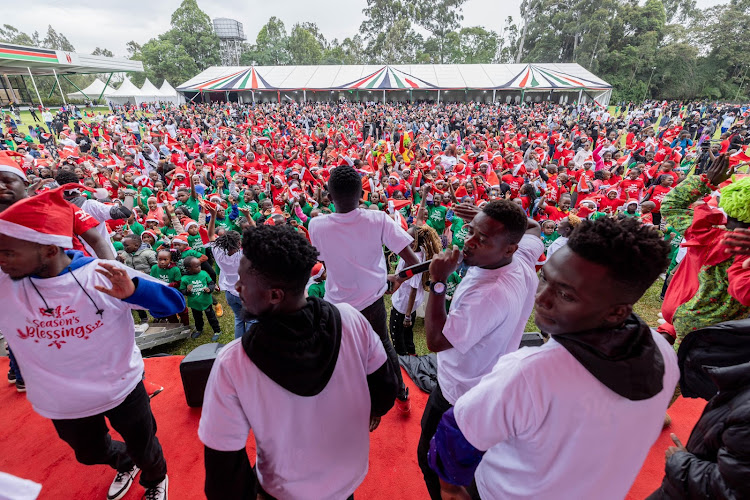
pixel 32 450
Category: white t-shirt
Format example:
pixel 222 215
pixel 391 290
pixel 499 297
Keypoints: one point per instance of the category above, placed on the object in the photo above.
pixel 230 266
pixel 308 447
pixel 488 313
pixel 75 363
pixel 351 245
pixel 552 430
pixel 400 298
pixel 100 212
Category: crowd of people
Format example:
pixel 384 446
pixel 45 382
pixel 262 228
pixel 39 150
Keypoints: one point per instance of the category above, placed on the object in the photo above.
pixel 306 215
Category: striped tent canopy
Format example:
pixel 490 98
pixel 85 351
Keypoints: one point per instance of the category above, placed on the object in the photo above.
pixel 246 79
pixel 388 78
pixel 536 77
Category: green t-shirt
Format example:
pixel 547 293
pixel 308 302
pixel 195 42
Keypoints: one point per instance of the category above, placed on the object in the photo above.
pixel 547 239
pixel 118 245
pixel 460 231
pixel 137 228
pixel 196 243
pixel 192 205
pixel 197 298
pixel 252 205
pixel 450 288
pixel 187 253
pixel 226 223
pixel 317 290
pixel 143 197
pixel 436 218
pixel 169 275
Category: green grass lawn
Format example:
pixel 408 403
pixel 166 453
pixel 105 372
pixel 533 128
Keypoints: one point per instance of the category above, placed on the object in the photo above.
pixel 647 308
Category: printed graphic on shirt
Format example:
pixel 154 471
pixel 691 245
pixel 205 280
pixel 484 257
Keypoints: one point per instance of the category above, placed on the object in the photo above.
pixel 55 327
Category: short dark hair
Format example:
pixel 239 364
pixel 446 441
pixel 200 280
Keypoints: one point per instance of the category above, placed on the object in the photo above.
pixel 633 254
pixel 134 237
pixel 345 182
pixel 281 255
pixel 67 177
pixel 510 215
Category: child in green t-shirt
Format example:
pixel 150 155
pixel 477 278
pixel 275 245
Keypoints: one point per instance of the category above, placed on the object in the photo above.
pixel 548 233
pixel 318 277
pixel 450 288
pixel 165 271
pixel 197 286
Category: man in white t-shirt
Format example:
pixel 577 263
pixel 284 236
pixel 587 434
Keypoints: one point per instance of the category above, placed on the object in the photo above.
pixel 67 310
pixel 350 243
pixel 488 312
pixel 576 417
pixel 307 381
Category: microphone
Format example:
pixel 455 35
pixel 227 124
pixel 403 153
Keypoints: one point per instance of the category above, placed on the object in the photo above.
pixel 410 271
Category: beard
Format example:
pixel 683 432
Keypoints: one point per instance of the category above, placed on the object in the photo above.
pixel 248 317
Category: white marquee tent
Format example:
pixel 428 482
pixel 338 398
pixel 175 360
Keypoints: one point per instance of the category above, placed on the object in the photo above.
pixel 92 92
pixel 454 82
pixel 126 93
pixel 167 93
pixel 149 92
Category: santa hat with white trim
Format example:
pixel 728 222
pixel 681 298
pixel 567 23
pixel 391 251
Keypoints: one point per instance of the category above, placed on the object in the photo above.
pixel 46 219
pixel 8 164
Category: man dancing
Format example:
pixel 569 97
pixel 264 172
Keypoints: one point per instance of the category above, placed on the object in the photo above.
pixel 67 319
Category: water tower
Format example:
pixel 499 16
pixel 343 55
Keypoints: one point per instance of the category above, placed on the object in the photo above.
pixel 231 37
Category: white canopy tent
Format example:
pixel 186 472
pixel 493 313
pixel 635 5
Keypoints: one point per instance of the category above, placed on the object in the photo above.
pixel 148 93
pixel 92 92
pixel 437 82
pixel 126 93
pixel 167 93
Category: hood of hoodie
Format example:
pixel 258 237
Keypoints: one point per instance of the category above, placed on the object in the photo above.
pixel 298 351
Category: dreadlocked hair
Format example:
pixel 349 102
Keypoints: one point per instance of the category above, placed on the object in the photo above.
pixel 279 255
pixel 427 239
pixel 229 242
pixel 633 254
pixel 735 200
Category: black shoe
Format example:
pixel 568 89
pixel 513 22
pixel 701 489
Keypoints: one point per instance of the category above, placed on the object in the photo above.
pixel 195 334
pixel 11 377
pixel 20 386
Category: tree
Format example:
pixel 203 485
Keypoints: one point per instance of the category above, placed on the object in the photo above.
pixel 56 41
pixel 440 17
pixel 10 34
pixel 163 59
pixel 271 48
pixel 477 45
pixel 304 46
pixel 133 48
pixel 192 29
pixel 102 52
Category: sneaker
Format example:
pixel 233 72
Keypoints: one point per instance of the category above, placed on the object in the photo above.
pixel 215 338
pixel 151 388
pixel 11 377
pixel 158 492
pixel 122 483
pixel 219 311
pixel 404 405
pixel 195 334
pixel 20 386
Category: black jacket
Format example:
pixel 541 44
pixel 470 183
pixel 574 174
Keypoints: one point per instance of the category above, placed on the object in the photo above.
pixel 717 464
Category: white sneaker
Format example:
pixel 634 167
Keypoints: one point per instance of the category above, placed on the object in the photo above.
pixel 158 492
pixel 122 483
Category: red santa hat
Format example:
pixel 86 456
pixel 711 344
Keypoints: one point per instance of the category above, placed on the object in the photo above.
pixel 143 181
pixel 8 164
pixel 317 271
pixel 188 223
pixel 46 219
pixel 181 238
pixel 150 233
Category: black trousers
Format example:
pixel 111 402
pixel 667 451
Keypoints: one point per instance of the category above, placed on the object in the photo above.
pixel 212 319
pixel 375 314
pixel 206 266
pixel 89 437
pixel 142 315
pixel 433 412
pixel 402 336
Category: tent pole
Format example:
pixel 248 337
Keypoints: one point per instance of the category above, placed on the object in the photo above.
pixel 75 86
pixel 493 95
pixel 304 96
pixel 438 96
pixel 383 96
pixel 253 96
pixel 59 86
pixel 104 89
pixel 37 90
pixel 580 95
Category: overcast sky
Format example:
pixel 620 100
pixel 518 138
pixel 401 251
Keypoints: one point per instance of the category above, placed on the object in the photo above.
pixel 106 23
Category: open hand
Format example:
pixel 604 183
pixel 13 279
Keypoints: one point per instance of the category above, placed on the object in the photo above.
pixel 122 286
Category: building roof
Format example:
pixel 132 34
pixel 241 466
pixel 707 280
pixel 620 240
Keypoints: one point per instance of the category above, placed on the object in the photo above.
pixel 18 60
pixel 396 77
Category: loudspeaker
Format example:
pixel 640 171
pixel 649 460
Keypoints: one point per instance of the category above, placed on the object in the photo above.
pixel 195 369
